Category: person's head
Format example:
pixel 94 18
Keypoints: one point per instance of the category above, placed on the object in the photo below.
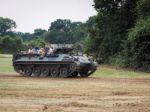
pixel 42 49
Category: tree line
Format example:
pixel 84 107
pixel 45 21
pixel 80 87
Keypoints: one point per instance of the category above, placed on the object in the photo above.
pixel 61 31
pixel 119 34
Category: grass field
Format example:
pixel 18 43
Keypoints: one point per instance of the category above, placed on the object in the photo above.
pixel 5 56
pixel 6 65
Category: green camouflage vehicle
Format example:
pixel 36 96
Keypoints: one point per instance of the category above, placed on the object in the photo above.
pixel 61 63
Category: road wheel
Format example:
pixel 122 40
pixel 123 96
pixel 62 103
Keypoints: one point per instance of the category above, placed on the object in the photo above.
pixel 73 67
pixel 36 71
pixel 83 74
pixel 18 68
pixel 45 72
pixel 27 71
pixel 63 72
pixel 54 72
pixel 74 74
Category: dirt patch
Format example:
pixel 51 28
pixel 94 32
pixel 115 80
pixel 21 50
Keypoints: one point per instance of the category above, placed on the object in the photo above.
pixel 93 94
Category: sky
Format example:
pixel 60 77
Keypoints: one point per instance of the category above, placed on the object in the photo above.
pixel 33 14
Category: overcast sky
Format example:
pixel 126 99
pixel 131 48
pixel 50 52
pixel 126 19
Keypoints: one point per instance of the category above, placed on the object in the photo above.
pixel 32 14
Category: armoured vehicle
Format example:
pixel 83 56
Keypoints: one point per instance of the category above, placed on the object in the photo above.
pixel 61 63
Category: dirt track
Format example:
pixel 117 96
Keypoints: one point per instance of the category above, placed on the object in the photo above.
pixel 94 94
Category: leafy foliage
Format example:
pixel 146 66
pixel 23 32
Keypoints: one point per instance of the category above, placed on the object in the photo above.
pixel 39 32
pixel 139 45
pixel 143 8
pixel 36 42
pixel 120 33
pixel 110 28
pixel 65 31
pixel 6 25
pixel 136 52
pixel 9 41
pixel 10 45
pixel 25 36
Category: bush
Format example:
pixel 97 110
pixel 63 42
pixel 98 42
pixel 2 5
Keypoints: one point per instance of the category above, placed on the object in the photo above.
pixel 118 60
pixel 139 42
pixel 36 42
pixel 143 8
pixel 10 44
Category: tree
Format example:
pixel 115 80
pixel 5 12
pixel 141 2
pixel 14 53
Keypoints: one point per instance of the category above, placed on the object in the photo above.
pixel 92 40
pixel 143 8
pixel 36 42
pixel 58 32
pixel 78 32
pixel 111 25
pixel 137 49
pixel 109 6
pixel 65 31
pixel 25 36
pixel 10 45
pixel 6 25
pixel 139 45
pixel 39 32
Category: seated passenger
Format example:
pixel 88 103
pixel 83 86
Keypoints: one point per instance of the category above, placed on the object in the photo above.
pixel 30 50
pixel 46 50
pixel 35 50
pixel 50 51
pixel 42 51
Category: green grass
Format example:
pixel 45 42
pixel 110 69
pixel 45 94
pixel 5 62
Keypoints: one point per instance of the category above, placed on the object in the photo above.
pixel 108 71
pixel 5 56
pixel 116 72
pixel 6 65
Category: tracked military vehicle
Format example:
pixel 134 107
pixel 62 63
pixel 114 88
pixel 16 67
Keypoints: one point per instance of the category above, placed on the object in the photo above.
pixel 61 63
